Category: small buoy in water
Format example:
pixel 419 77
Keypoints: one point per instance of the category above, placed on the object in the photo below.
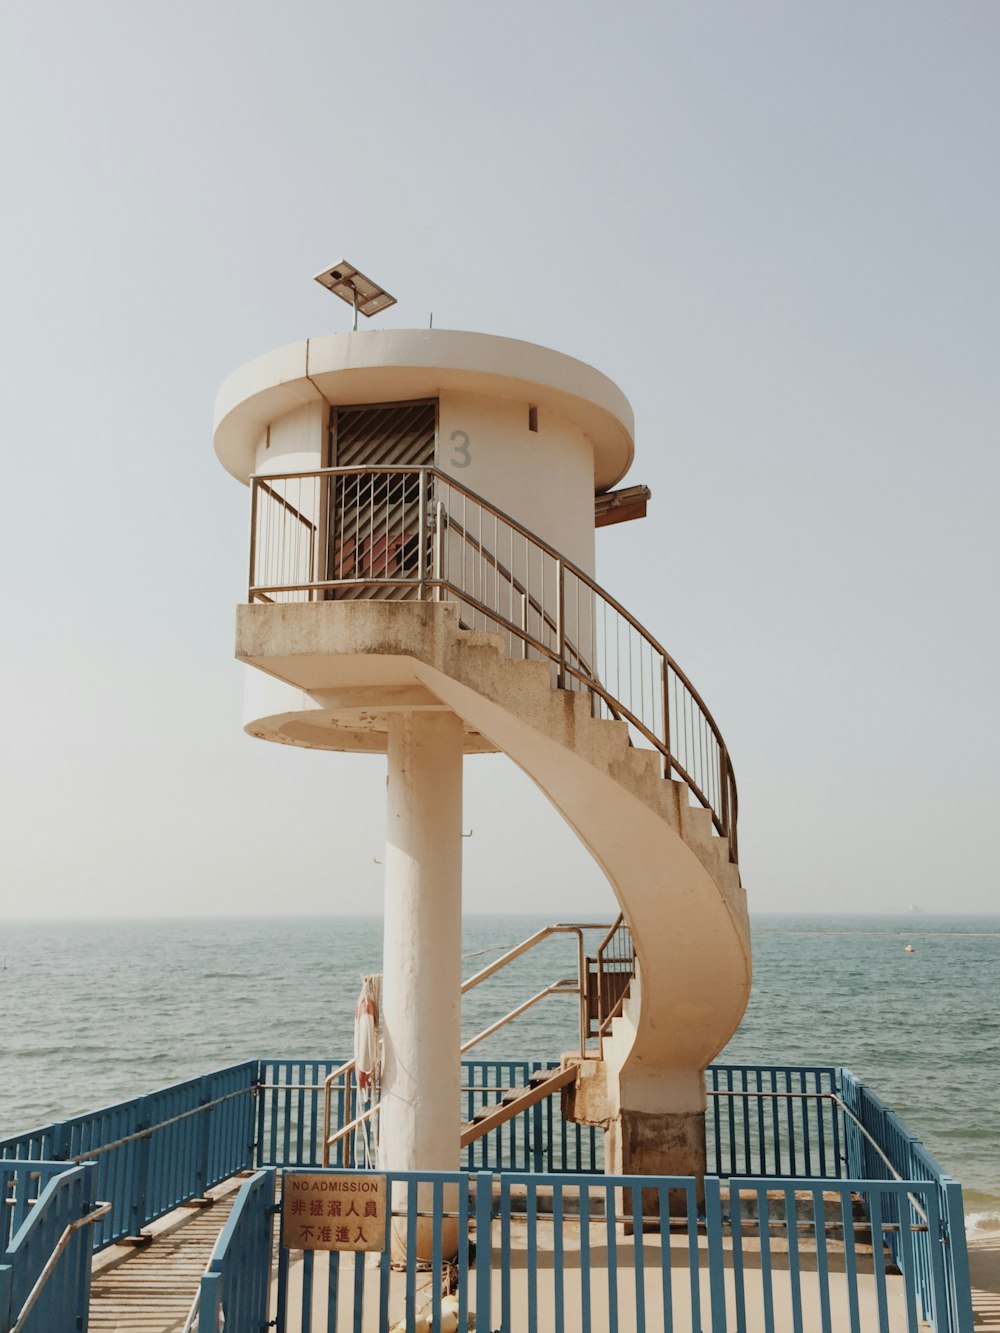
pixel 909 949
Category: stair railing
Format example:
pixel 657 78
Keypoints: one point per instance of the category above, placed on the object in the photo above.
pixel 566 987
pixel 339 1081
pixel 615 968
pixel 415 533
pixel 556 988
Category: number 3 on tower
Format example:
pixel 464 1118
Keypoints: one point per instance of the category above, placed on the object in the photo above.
pixel 461 456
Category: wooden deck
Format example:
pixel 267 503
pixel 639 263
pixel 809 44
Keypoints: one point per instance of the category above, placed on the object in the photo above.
pixel 150 1289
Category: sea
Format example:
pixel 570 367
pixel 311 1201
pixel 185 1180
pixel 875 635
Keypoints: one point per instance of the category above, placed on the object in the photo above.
pixel 95 1012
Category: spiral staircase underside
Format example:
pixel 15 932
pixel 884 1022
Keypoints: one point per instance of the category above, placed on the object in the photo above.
pixel 354 662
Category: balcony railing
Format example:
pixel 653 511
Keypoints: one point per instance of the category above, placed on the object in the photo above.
pixel 412 533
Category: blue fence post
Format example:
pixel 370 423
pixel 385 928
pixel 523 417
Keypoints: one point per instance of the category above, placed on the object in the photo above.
pixel 209 1300
pixel 961 1282
pixel 59 1140
pixel 204 1134
pixel 89 1204
pixel 716 1255
pixel 140 1175
pixel 537 1146
pixel 258 1146
pixel 6 1293
pixel 484 1248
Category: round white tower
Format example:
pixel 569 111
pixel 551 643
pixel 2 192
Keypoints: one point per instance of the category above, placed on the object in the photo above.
pixel 422 585
pixel 394 471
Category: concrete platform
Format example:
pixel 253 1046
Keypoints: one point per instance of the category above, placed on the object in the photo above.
pixel 618 1284
pixel 150 1289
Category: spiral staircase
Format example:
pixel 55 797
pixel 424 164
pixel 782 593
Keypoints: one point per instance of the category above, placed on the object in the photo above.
pixel 456 606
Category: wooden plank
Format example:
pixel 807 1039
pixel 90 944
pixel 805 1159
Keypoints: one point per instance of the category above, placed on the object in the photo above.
pixel 152 1290
pixel 511 1106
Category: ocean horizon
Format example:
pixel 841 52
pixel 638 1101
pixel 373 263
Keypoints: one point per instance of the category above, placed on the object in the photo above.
pixel 95 1012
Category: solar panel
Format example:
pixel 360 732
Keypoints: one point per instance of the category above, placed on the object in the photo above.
pixel 351 285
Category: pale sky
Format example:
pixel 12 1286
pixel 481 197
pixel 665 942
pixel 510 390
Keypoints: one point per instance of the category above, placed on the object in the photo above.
pixel 774 224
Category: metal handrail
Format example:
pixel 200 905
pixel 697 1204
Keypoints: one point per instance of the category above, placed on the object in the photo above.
pixel 556 988
pixel 566 987
pixel 604 1020
pixel 715 769
pixel 819 1096
pixel 519 950
pixel 344 1130
pixel 342 1074
pixel 98 1211
pixel 150 1130
pixel 344 1071
pixel 528 602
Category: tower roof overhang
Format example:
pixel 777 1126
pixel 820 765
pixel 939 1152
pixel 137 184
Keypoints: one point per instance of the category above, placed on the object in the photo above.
pixel 388 365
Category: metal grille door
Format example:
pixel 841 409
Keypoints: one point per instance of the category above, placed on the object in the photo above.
pixel 375 520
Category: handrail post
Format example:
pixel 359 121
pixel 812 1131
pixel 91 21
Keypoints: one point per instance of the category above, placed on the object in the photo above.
pixel 253 537
pixel 724 787
pixel 341 1072
pixel 438 550
pixel 422 536
pixel 581 964
pixel 561 624
pixel 321 550
pixel 327 1094
pixel 665 696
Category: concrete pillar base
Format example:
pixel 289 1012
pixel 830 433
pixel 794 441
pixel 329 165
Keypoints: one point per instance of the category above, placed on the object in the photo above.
pixel 660 1143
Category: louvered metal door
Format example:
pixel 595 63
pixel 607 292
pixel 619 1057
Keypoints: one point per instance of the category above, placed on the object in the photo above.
pixel 375 516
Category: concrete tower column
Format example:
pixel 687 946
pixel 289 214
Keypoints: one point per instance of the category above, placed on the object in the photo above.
pixel 422 970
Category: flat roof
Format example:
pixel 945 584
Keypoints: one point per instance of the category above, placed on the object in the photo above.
pixel 385 365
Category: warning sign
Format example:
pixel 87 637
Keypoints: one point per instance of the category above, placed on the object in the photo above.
pixel 324 1212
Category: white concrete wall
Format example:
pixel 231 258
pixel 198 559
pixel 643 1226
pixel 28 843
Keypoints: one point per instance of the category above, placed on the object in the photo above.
pixel 294 442
pixel 543 478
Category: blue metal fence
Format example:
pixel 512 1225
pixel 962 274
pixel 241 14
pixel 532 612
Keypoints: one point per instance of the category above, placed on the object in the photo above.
pixel 155 1152
pixel 235 1288
pixel 526 1251
pixel 575 1252
pixel 50 1237
pixel 290 1111
pixel 290 1119
pixel 879 1146
pixel 773 1120
pixel 21 1183
pixel 538 1139
pixel 439 1215
pixel 886 1270
pixel 815 1131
